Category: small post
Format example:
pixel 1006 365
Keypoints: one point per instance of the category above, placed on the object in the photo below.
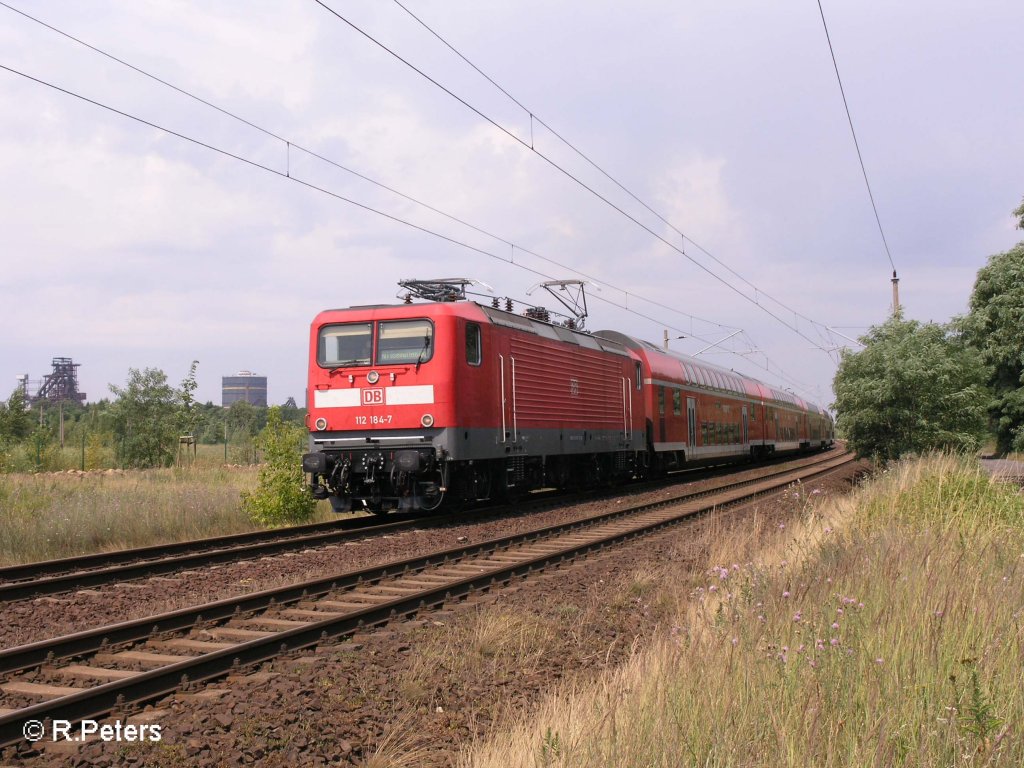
pixel 895 294
pixel 666 338
pixel 83 450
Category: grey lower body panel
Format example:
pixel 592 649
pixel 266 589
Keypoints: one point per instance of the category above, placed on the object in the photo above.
pixel 465 444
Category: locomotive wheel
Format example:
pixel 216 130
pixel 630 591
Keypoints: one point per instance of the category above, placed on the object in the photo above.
pixel 429 502
pixel 432 503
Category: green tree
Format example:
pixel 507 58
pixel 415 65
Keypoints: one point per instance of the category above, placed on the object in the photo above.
pixel 15 419
pixel 211 423
pixel 995 326
pixel 190 410
pixel 15 426
pixel 1019 213
pixel 913 388
pixel 281 496
pixel 244 421
pixel 145 416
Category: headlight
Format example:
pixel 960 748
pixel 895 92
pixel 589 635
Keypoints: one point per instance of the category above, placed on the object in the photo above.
pixel 372 377
pixel 320 424
pixel 427 420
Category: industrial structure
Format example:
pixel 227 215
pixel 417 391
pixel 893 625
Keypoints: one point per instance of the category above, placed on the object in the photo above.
pixel 245 387
pixel 59 386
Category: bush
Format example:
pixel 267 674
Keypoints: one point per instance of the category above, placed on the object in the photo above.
pixel 281 496
pixel 914 388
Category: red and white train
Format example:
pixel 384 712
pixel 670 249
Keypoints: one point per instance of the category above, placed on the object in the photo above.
pixel 413 404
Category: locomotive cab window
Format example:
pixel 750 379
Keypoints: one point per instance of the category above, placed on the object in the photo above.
pixel 343 345
pixel 474 344
pixel 404 341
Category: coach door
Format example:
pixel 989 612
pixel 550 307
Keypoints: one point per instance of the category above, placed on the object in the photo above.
pixel 691 420
pixel 744 425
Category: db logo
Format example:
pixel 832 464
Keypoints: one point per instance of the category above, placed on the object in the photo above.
pixel 373 396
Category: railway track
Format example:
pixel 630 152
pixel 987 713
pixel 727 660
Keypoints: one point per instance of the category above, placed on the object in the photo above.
pixel 51 577
pixel 89 674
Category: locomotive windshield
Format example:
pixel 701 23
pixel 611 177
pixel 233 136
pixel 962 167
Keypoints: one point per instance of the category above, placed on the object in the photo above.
pixel 348 344
pixel 405 341
pixel 399 342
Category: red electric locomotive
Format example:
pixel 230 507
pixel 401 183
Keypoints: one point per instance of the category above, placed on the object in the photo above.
pixel 411 404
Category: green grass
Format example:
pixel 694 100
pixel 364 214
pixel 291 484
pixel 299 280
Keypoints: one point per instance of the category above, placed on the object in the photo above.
pixel 46 516
pixel 889 633
pixel 98 453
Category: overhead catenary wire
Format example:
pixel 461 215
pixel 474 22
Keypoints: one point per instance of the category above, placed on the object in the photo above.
pixel 317 188
pixel 768 367
pixel 856 144
pixel 322 190
pixel 819 327
pixel 827 337
pixel 573 147
pixel 290 144
pixel 587 187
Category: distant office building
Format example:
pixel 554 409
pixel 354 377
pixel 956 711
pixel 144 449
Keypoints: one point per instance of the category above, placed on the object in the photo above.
pixel 246 387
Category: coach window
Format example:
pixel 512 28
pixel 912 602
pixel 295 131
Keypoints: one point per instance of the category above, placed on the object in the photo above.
pixel 474 346
pixel 661 401
pixel 677 402
pixel 638 372
pixel 343 345
pixel 405 341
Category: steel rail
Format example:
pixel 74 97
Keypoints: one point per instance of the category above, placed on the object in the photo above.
pixel 42 568
pixel 97 701
pixel 29 655
pixel 32 654
pixel 127 565
pixel 50 577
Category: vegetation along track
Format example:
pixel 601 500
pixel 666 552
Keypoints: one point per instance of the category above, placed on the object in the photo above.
pixel 51 577
pixel 140 660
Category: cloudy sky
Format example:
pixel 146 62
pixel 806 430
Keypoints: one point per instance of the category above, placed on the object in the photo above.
pixel 126 246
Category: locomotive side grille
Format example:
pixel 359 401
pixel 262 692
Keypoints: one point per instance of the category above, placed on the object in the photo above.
pixel 556 384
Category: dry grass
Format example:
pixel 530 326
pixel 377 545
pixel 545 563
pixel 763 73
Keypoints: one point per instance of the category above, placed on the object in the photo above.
pixel 885 630
pixel 491 642
pixel 402 746
pixel 59 515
